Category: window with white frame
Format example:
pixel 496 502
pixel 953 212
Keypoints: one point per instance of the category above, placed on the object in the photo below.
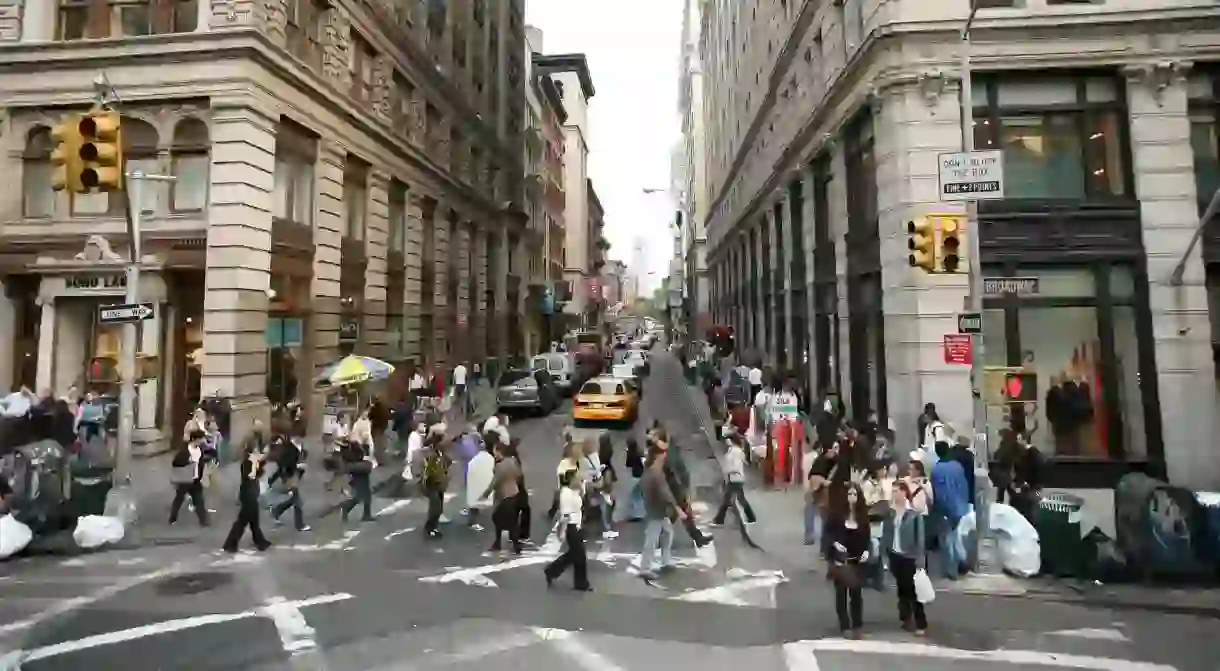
pixel 38 198
pixel 190 164
pixel 293 194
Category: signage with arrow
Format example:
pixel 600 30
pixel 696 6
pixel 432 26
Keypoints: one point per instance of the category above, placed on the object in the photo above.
pixel 969 322
pixel 126 313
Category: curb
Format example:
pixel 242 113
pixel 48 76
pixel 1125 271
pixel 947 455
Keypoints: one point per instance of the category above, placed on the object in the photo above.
pixel 713 444
pixel 1113 603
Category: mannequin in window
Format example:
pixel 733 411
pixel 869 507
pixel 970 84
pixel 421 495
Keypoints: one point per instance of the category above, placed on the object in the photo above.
pixel 1069 408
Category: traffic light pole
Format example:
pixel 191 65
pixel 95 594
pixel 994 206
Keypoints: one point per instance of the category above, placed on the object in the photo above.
pixel 133 191
pixel 983 552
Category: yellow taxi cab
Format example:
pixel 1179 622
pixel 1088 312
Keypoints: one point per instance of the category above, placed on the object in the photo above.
pixel 606 399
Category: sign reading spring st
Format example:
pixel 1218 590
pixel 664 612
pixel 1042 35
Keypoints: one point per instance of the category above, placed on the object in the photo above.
pixel 976 175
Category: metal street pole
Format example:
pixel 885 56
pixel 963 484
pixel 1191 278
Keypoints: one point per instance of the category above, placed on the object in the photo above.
pixel 130 342
pixel 982 554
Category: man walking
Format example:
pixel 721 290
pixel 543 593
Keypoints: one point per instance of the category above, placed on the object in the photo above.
pixel 659 506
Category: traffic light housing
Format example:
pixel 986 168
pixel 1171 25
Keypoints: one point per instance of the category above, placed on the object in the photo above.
pixel 101 151
pixel 65 157
pixel 951 244
pixel 921 244
pixel 1021 387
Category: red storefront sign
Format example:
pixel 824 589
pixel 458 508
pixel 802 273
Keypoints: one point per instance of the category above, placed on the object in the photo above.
pixel 958 349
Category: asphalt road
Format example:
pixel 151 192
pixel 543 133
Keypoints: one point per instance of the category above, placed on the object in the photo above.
pixel 378 596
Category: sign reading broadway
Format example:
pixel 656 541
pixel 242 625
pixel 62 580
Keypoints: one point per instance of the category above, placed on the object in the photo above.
pixel 976 175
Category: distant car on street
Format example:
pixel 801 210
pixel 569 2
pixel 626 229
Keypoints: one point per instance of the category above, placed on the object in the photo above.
pixel 606 399
pixel 532 390
pixel 561 366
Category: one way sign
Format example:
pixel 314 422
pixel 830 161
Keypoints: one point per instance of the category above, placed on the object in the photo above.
pixel 127 313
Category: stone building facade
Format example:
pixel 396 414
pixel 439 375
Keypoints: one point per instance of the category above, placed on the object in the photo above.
pixel 348 179
pixel 824 122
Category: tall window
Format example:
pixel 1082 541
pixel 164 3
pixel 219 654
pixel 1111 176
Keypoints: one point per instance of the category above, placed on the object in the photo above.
pixel 38 199
pixel 355 192
pixel 1204 138
pixel 92 19
pixel 293 197
pixel 189 162
pixel 185 15
pixel 362 58
pixel 1063 137
pixel 397 236
pixel 304 30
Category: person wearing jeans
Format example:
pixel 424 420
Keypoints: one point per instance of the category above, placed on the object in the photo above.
pixel 659 506
pixel 734 482
pixel 902 539
pixel 950 503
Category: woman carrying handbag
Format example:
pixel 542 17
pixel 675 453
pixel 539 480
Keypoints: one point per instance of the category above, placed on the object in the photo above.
pixel 847 550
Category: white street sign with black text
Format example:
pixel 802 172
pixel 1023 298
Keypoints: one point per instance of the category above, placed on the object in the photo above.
pixel 976 175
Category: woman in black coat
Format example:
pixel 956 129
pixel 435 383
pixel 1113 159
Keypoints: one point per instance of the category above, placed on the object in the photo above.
pixel 247 498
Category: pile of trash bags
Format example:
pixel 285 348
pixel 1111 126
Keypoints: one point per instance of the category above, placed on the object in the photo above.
pixel 1017 539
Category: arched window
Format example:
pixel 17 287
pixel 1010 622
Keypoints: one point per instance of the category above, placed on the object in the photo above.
pixel 38 199
pixel 139 153
pixel 189 163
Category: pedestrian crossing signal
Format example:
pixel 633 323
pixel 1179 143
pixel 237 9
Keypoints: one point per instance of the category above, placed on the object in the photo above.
pixel 1021 387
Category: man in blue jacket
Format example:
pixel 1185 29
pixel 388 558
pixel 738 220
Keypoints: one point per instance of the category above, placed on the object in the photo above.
pixel 950 503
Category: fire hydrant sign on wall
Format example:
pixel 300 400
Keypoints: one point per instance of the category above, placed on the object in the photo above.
pixel 958 349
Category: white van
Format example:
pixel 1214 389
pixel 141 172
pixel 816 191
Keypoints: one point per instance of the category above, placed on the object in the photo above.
pixel 561 367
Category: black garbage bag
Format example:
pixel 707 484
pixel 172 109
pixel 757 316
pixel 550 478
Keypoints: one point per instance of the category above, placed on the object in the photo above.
pixel 1106 561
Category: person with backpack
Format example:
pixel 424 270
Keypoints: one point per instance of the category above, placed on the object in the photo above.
pixel 358 464
pixel 434 480
pixel 186 474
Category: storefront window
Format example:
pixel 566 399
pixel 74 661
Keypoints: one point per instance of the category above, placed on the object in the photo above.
pixel 1085 355
pixel 1203 134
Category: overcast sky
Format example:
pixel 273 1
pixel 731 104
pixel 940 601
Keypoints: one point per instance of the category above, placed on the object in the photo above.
pixel 633 48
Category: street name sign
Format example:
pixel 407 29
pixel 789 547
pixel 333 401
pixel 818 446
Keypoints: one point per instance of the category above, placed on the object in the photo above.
pixel 975 175
pixel 125 313
pixel 995 287
pixel 970 322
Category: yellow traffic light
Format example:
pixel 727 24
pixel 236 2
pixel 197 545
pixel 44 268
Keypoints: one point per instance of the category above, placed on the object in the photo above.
pixel 922 244
pixel 101 151
pixel 951 250
pixel 65 158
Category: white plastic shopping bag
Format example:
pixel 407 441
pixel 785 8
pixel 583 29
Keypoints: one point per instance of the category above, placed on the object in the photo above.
pixel 14 536
pixel 94 531
pixel 924 591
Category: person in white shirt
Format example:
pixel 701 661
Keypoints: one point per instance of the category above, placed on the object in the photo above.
pixel 459 387
pixel 734 482
pixel 569 526
pixel 755 378
pixel 415 454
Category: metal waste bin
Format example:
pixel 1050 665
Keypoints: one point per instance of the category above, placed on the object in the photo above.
pixel 90 485
pixel 1057 520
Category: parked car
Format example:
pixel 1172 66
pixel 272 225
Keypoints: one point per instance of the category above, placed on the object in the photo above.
pixel 630 373
pixel 560 366
pixel 521 389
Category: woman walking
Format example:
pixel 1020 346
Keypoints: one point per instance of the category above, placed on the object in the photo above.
pixel 504 490
pixel 635 466
pixel 186 474
pixel 248 509
pixel 848 533
pixel 571 503
pixel 903 538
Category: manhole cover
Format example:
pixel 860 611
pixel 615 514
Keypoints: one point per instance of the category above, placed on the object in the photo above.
pixel 193 583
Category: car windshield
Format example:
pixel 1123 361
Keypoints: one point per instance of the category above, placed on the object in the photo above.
pixel 602 387
pixel 515 377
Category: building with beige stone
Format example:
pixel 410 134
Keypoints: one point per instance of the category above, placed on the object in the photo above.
pixel 348 179
pixel 824 122
pixel 546 200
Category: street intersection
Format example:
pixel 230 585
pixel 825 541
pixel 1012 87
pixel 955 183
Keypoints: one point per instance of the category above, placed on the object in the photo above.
pixel 378 596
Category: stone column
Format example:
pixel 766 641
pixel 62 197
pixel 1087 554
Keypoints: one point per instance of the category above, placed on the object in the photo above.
pixel 483 317
pixel 413 290
pixel 498 311
pixel 46 344
pixel 238 275
pixel 327 269
pixel 440 291
pixel 837 195
pixel 150 343
pixel 376 231
pixel 466 328
pixel 1164 183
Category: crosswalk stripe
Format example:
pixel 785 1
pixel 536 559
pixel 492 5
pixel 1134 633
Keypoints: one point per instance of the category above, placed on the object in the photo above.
pixel 804 649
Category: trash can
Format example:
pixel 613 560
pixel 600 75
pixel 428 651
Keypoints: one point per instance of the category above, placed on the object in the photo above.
pixel 1057 520
pixel 90 485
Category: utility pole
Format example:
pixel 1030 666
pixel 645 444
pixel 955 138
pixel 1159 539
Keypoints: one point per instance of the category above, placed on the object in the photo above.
pixel 983 553
pixel 120 502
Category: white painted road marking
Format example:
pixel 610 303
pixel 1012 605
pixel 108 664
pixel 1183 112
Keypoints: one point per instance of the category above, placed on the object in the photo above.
pixel 582 656
pixel 804 649
pixel 730 593
pixel 395 534
pixel 1093 634
pixel 169 626
pixel 465 574
pixel 393 508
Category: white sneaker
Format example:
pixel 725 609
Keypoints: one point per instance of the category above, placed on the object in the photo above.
pixel 477 527
pixel 610 534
